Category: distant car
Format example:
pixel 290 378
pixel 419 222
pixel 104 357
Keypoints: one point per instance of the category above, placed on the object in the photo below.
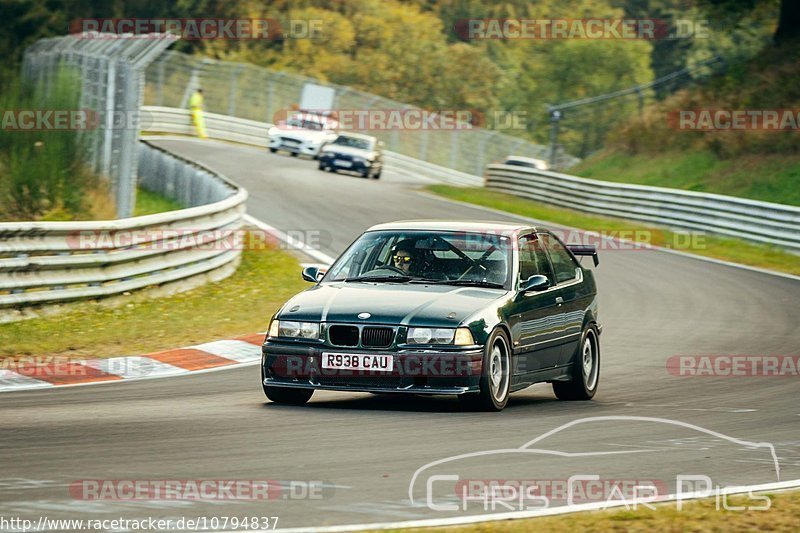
pixel 355 153
pixel 529 162
pixel 473 309
pixel 303 132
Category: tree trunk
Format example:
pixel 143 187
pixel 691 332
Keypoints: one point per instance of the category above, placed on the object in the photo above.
pixel 789 22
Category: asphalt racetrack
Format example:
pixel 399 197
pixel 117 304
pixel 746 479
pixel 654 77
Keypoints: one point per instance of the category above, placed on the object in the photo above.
pixel 358 453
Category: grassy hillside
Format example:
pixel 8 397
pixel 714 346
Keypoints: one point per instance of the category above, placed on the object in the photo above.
pixel 764 165
pixel 767 177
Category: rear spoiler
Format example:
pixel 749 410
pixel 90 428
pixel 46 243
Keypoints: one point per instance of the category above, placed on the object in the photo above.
pixel 585 249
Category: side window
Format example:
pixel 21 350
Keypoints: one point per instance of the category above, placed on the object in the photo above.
pixel 532 258
pixel 563 263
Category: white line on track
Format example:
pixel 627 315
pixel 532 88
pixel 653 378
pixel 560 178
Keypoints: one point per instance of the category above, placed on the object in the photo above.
pixel 554 511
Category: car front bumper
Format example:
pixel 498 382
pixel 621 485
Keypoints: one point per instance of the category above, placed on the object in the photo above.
pixel 340 164
pixel 450 372
pixel 302 148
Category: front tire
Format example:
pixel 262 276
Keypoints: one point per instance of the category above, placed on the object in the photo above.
pixel 585 370
pixel 287 395
pixel 495 382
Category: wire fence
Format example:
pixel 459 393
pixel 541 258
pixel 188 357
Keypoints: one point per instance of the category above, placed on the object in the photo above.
pixel 580 127
pixel 111 71
pixel 256 93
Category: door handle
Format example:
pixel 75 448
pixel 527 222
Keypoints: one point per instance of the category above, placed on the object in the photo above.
pixel 559 301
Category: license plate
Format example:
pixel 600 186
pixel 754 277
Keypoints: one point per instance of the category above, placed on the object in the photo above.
pixel 349 361
pixel 342 163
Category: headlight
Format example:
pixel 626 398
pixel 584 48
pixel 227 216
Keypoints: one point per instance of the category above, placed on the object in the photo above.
pixel 299 330
pixel 430 335
pixel 464 337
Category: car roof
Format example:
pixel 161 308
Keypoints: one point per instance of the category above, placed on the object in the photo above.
pixel 473 226
pixel 357 135
pixel 526 159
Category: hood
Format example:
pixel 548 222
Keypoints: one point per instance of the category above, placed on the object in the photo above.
pixel 349 150
pixel 389 303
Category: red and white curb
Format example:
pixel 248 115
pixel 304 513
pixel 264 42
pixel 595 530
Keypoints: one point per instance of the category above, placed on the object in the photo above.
pixel 46 372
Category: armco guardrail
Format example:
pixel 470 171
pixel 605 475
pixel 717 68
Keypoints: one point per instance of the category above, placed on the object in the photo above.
pixel 751 220
pixel 222 127
pixel 48 262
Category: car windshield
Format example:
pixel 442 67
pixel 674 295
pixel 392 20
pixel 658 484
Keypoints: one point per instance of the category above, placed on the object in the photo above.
pixel 353 142
pixel 446 257
pixel 304 123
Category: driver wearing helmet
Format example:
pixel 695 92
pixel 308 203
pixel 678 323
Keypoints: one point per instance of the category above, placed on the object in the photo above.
pixel 404 256
pixel 413 261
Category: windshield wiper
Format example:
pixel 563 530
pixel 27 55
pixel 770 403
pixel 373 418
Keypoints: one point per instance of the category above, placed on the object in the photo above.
pixel 471 283
pixel 401 279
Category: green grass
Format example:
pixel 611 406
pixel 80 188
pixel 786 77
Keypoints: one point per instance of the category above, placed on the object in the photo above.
pixel 150 203
pixel 43 175
pixel 770 178
pixel 711 246
pixel 699 517
pixel 238 305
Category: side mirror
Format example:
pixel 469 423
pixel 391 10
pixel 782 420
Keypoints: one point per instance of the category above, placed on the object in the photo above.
pixel 535 284
pixel 312 274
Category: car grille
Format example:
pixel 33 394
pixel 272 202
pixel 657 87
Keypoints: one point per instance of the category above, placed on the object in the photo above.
pixel 370 336
pixel 373 337
pixel 343 335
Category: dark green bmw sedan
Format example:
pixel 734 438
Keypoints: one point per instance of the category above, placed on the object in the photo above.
pixel 473 309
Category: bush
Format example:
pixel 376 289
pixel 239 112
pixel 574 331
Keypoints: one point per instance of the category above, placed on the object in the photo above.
pixel 42 173
pixel 769 81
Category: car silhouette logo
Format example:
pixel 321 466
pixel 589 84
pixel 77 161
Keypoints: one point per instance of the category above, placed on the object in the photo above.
pixel 364 316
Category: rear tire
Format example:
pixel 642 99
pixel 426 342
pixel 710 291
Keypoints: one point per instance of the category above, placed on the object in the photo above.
pixel 294 154
pixel 495 382
pixel 287 395
pixel 585 370
pixel 273 150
